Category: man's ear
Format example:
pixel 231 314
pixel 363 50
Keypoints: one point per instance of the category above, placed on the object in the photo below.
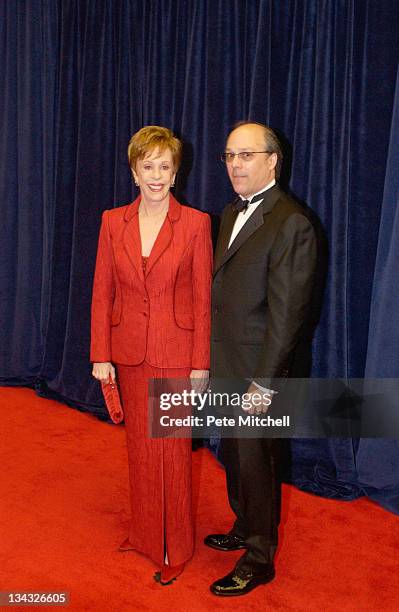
pixel 272 160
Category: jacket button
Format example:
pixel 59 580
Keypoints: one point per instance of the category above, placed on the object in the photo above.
pixel 145 300
pixel 145 314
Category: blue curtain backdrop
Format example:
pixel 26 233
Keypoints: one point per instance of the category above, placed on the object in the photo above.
pixel 78 77
pixel 382 354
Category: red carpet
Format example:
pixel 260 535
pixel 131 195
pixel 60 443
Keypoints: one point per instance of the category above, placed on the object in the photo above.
pixel 64 506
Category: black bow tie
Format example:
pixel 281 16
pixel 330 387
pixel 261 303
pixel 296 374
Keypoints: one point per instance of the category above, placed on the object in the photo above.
pixel 240 205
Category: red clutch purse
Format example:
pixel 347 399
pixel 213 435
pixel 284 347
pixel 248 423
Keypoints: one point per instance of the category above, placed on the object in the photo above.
pixel 113 401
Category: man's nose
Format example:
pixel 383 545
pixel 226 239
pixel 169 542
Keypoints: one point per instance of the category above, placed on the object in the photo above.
pixel 236 161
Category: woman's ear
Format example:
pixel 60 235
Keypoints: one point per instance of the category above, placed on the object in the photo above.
pixel 136 182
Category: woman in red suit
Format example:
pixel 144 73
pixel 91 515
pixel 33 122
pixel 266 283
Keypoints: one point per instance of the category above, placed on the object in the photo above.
pixel 151 319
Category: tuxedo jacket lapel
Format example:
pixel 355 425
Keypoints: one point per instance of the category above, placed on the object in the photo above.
pixel 250 226
pixel 255 221
pixel 229 219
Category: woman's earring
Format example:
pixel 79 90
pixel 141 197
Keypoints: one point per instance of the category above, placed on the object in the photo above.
pixel 172 184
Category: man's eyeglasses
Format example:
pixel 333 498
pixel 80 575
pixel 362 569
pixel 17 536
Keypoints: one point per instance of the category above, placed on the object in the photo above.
pixel 244 156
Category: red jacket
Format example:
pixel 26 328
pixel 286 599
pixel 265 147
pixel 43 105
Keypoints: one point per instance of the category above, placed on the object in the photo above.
pixel 164 317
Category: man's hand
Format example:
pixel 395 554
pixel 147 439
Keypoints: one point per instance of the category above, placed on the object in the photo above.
pixel 199 380
pixel 259 400
pixel 102 371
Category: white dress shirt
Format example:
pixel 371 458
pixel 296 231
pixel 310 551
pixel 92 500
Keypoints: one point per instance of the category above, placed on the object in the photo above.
pixel 244 215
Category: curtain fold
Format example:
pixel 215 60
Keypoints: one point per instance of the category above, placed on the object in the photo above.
pixel 378 460
pixel 28 34
pixel 79 77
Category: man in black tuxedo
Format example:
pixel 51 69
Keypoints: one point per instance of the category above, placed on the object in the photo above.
pixel 263 277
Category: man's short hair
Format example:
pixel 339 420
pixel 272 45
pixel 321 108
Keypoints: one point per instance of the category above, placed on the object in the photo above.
pixel 272 143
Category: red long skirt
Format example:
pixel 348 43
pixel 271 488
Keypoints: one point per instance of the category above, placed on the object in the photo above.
pixel 159 474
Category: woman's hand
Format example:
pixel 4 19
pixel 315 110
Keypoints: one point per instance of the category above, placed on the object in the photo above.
pixel 102 371
pixel 199 380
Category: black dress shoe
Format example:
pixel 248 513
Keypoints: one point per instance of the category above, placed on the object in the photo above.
pixel 225 541
pixel 240 583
